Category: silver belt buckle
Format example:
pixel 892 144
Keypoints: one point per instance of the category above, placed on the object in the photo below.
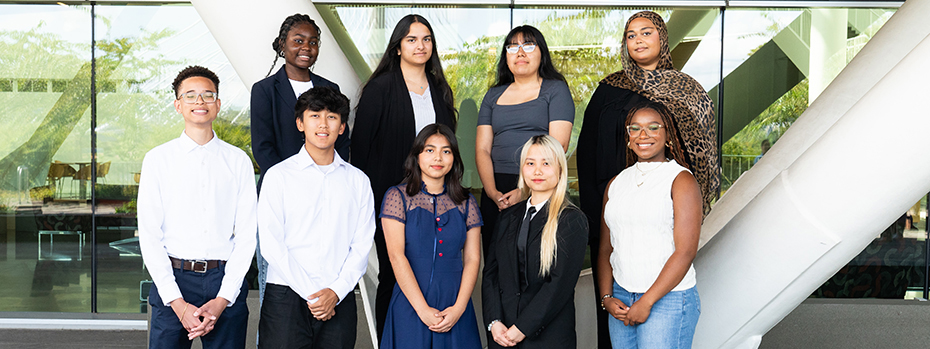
pixel 195 263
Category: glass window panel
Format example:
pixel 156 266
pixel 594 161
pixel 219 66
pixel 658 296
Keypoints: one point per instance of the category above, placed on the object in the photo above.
pixel 141 50
pixel 777 61
pixel 44 214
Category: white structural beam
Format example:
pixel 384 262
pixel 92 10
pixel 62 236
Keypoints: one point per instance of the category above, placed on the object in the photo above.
pixel 823 192
pixel 245 29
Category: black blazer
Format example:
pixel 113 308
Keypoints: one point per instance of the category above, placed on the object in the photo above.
pixel 274 129
pixel 385 128
pixel 545 310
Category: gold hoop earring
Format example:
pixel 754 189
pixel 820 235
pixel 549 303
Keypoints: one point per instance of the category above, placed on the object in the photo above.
pixel 668 144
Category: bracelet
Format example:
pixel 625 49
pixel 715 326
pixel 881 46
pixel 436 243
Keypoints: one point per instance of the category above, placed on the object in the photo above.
pixel 492 324
pixel 602 300
pixel 188 305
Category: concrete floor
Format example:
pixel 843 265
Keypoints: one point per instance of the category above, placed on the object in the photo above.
pixel 99 339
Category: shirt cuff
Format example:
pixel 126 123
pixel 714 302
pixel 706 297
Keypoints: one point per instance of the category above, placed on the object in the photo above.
pixel 229 294
pixel 170 295
pixel 341 288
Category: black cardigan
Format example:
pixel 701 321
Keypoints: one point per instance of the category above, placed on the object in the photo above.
pixel 385 128
pixel 545 310
pixel 274 129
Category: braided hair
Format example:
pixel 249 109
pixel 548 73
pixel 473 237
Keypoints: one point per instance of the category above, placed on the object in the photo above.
pixel 673 149
pixel 289 23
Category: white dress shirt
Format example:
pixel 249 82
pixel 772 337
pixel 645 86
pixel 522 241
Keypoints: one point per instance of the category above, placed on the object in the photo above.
pixel 316 224
pixel 538 207
pixel 197 202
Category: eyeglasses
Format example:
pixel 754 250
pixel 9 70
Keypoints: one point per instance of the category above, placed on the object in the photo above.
pixel 652 130
pixel 527 47
pixel 191 97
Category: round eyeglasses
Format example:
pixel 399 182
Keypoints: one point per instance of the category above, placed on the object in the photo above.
pixel 652 130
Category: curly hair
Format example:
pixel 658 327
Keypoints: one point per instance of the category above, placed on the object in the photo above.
pixel 193 71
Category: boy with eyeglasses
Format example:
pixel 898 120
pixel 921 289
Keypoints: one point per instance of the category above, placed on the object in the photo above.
pixel 196 205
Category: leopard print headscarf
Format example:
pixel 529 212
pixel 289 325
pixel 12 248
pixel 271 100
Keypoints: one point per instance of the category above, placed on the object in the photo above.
pixel 685 98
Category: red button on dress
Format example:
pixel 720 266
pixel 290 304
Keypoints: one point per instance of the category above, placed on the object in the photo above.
pixel 440 241
pixel 440 254
pixel 440 229
pixel 437 219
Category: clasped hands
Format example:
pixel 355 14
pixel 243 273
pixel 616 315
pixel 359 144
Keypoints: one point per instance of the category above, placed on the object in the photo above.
pixel 322 304
pixel 506 337
pixel 440 321
pixel 198 321
pixel 630 315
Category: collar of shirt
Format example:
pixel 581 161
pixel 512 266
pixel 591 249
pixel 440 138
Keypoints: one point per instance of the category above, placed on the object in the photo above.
pixel 304 160
pixel 538 206
pixel 186 144
pixel 424 191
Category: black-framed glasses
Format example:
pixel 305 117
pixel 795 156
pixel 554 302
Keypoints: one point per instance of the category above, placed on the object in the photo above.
pixel 191 97
pixel 652 130
pixel 526 46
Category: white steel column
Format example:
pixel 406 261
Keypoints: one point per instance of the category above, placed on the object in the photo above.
pixel 827 48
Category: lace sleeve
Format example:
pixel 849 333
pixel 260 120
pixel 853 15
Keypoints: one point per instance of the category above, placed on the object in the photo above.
pixel 474 215
pixel 394 205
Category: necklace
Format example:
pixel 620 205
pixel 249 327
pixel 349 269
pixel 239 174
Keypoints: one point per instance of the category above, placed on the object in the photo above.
pixel 421 86
pixel 642 174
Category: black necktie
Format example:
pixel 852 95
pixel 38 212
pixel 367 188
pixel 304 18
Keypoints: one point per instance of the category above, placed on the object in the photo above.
pixel 521 243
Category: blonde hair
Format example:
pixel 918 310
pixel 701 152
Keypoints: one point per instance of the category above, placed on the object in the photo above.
pixel 557 202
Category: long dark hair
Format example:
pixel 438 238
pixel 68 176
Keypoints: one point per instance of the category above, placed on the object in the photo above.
pixel 390 61
pixel 286 26
pixel 546 70
pixel 453 181
pixel 673 150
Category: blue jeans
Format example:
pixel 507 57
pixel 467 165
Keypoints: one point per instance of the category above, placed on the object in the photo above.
pixel 262 276
pixel 670 324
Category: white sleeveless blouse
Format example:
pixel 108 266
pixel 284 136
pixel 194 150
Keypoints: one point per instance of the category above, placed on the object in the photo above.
pixel 641 220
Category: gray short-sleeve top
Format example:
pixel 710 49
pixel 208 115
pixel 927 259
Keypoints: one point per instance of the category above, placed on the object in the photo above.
pixel 514 124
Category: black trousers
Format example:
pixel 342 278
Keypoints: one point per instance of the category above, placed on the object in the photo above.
pixel 197 289
pixel 505 182
pixel 286 322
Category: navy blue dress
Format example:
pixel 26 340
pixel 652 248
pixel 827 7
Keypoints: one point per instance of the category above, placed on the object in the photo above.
pixel 435 230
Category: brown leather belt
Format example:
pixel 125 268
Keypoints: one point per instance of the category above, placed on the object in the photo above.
pixel 200 266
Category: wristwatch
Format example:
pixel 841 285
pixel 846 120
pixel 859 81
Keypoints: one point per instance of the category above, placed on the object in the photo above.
pixel 602 300
pixel 492 324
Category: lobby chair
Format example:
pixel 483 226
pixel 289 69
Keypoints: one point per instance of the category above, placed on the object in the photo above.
pixel 102 170
pixel 82 174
